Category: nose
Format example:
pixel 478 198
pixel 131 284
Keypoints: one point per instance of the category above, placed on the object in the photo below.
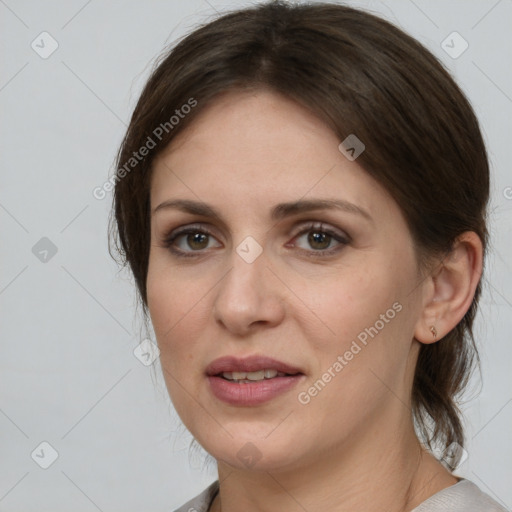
pixel 249 296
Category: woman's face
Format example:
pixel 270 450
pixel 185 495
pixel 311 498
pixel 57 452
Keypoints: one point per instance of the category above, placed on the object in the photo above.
pixel 329 293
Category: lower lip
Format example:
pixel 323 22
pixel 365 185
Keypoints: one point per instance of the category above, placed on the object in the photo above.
pixel 253 393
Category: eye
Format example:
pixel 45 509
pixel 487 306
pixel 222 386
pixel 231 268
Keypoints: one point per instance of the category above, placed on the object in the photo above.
pixel 323 240
pixel 189 240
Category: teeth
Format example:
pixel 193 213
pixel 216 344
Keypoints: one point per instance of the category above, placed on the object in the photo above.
pixel 253 376
pixel 259 375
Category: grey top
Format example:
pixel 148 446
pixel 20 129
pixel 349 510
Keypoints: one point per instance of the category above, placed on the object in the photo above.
pixel 464 496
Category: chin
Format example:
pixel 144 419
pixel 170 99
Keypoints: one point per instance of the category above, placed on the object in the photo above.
pixel 254 453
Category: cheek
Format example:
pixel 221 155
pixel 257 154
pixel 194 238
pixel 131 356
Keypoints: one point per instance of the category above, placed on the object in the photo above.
pixel 355 369
pixel 343 303
pixel 173 308
pixel 176 317
pixel 358 331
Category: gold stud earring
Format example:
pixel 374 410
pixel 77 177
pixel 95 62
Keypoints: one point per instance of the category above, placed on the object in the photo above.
pixel 433 330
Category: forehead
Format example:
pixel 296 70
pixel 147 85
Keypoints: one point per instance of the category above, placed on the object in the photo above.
pixel 263 147
pixel 252 125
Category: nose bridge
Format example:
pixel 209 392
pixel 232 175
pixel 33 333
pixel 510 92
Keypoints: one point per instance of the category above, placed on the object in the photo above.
pixel 246 294
pixel 247 277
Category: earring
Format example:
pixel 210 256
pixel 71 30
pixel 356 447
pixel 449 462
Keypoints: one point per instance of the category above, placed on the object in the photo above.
pixel 433 330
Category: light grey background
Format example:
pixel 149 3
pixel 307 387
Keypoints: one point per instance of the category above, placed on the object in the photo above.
pixel 68 374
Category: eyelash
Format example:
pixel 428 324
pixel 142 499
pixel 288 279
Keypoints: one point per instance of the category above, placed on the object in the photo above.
pixel 316 227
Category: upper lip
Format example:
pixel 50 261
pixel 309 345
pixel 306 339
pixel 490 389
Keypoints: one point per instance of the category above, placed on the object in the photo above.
pixel 248 364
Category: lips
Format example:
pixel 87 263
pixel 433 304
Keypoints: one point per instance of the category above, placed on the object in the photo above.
pixel 249 364
pixel 247 392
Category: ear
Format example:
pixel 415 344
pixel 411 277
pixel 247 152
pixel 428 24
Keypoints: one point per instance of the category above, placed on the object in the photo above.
pixel 450 289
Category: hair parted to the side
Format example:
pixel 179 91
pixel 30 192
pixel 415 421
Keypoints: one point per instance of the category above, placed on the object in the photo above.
pixel 361 75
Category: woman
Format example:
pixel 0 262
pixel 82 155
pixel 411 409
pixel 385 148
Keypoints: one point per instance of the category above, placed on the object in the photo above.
pixel 301 196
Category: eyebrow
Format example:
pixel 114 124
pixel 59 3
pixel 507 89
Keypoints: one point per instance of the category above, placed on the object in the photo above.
pixel 279 211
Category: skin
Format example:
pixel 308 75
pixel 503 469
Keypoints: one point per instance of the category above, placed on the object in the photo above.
pixel 353 446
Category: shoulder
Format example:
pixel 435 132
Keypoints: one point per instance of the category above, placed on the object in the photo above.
pixel 201 503
pixel 464 496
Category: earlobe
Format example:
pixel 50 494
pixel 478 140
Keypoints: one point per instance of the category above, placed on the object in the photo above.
pixel 452 288
pixel 427 333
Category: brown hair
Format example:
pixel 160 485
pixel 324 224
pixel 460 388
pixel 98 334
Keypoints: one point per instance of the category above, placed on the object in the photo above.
pixel 361 75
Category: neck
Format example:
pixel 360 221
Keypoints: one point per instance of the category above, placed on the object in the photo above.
pixel 381 470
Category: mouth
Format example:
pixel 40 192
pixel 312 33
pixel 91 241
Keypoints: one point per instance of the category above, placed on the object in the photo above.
pixel 250 377
pixel 250 367
pixel 251 381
